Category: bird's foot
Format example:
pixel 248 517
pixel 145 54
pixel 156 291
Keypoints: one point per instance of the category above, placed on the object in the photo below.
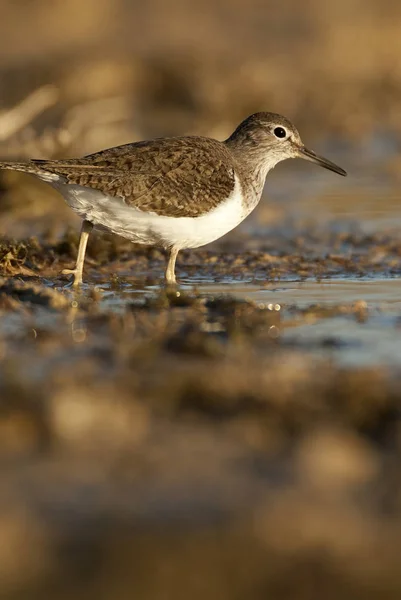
pixel 77 276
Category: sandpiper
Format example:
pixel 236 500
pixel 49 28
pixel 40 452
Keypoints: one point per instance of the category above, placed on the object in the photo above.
pixel 178 192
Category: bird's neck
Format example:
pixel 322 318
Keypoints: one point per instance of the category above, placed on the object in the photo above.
pixel 252 165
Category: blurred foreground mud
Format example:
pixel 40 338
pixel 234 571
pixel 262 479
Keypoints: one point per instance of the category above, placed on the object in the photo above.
pixel 176 445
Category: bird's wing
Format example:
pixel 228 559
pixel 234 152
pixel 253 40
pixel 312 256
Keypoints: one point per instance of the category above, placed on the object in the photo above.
pixel 178 177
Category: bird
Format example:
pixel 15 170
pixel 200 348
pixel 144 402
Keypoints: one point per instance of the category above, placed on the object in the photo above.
pixel 173 192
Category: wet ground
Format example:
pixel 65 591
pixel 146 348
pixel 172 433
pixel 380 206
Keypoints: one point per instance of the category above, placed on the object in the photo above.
pixel 237 438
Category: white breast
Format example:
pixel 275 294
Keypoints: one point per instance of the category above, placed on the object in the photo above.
pixel 112 214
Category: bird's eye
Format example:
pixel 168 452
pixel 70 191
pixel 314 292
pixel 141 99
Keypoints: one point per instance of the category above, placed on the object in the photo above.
pixel 280 132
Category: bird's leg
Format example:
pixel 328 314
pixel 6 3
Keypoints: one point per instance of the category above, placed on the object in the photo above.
pixel 170 271
pixel 83 240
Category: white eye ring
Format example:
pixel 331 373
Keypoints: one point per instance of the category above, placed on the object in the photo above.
pixel 280 132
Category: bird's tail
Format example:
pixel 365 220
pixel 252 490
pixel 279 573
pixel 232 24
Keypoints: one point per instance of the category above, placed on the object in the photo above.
pixel 32 167
pixel 26 167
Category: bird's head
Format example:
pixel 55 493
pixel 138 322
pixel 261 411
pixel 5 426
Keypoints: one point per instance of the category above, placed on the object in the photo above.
pixel 272 138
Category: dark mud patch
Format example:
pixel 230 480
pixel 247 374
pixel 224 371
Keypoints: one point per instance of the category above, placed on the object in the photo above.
pixel 16 291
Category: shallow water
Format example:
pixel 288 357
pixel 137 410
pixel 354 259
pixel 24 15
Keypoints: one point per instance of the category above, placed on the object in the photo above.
pixel 371 340
pixel 375 340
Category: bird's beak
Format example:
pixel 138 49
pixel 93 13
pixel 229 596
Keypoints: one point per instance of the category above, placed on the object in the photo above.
pixel 319 160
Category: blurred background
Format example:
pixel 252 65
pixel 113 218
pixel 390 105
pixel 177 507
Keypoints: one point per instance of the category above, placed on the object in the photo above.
pixel 77 77
pixel 97 73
